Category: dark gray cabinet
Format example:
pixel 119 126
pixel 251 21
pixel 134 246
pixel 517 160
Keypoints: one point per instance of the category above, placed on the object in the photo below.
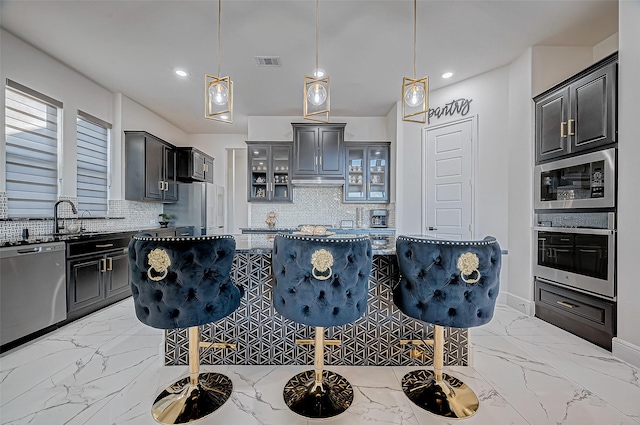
pixel 97 274
pixel 194 165
pixel 367 177
pixel 269 166
pixel 150 168
pixel 579 114
pixel 318 150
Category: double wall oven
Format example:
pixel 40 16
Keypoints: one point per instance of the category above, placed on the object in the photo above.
pixel 575 244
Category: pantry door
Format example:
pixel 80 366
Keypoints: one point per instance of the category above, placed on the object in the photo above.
pixel 448 168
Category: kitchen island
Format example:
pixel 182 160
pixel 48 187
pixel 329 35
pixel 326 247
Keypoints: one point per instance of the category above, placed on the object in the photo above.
pixel 263 337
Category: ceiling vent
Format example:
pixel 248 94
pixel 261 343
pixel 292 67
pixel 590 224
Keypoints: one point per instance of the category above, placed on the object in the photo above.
pixel 269 61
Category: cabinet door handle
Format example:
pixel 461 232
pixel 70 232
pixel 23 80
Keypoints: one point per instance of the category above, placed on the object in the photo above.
pixel 316 160
pixel 320 161
pixel 166 186
pixel 570 127
pixel 562 133
pixel 161 185
pixel 206 168
pixel 565 304
pixel 103 265
pixel 104 245
pixel 110 266
pixel 433 228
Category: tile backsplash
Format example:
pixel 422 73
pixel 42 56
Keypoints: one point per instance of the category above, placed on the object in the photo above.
pixel 316 205
pixel 122 216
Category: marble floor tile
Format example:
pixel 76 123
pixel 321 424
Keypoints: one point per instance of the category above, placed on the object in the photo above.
pixel 540 393
pixel 106 369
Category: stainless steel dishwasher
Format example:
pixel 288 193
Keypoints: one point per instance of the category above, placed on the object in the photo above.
pixel 33 290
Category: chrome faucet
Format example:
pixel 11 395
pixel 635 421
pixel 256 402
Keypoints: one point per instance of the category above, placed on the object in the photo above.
pixel 56 228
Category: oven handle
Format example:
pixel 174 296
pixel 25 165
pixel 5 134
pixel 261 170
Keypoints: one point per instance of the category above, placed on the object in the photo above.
pixel 582 231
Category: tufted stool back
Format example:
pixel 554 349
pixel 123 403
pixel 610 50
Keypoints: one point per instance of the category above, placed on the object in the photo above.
pixel 197 287
pixel 431 288
pixel 307 292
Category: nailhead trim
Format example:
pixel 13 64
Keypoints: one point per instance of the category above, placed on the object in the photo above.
pixel 443 242
pixel 187 238
pixel 323 238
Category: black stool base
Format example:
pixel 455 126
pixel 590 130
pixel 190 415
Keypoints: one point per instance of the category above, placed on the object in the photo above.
pixel 183 402
pixel 450 398
pixel 334 398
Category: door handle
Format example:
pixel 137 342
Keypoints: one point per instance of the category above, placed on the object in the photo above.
pixel 570 127
pixel 103 265
pixel 110 266
pixel 432 228
pixel 562 132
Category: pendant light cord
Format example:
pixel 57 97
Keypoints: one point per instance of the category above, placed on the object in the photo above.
pixel 415 8
pixel 316 70
pixel 219 9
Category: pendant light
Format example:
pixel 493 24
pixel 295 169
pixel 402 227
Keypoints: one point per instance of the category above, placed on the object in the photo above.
pixel 415 92
pixel 316 90
pixel 218 91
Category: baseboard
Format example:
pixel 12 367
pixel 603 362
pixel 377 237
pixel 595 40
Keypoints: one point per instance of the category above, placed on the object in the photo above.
pixel 626 351
pixel 524 306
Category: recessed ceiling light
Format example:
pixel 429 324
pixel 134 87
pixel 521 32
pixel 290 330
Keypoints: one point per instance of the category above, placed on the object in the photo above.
pixel 256 152
pixel 447 75
pixel 181 73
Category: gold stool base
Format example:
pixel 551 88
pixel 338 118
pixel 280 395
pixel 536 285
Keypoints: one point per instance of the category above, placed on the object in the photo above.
pixel 184 402
pixel 450 398
pixel 305 399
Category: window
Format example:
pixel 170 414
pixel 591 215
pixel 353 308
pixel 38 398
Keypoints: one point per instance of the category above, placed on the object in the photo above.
pixel 93 164
pixel 31 129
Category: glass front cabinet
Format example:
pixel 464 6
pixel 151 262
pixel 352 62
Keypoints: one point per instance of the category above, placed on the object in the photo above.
pixel 268 169
pixel 367 172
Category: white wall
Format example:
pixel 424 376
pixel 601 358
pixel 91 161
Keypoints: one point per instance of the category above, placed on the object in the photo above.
pixel 518 288
pixel 605 47
pixel 216 145
pixel 32 68
pixel 279 128
pixel 627 344
pixel 553 64
pixel 489 93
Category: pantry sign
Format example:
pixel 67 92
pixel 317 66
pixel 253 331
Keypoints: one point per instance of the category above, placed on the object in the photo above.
pixel 457 106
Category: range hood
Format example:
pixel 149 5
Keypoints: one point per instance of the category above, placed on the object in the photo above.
pixel 316 181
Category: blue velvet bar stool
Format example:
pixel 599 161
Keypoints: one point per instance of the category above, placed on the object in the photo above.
pixel 320 282
pixel 446 283
pixel 184 283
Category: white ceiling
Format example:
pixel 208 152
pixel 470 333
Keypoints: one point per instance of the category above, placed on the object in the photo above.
pixel 133 47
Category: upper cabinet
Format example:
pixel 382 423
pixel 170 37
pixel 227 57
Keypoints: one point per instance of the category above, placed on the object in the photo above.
pixel 367 172
pixel 579 114
pixel 268 172
pixel 150 168
pixel 318 150
pixel 194 165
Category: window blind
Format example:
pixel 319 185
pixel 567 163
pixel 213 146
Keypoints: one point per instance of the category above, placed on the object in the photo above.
pixel 31 130
pixel 93 164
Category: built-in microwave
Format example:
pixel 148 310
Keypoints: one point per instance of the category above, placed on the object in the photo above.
pixel 584 181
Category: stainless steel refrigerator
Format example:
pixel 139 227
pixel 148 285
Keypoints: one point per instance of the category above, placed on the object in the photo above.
pixel 200 205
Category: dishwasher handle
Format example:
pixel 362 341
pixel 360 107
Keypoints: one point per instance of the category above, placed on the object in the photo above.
pixel 30 250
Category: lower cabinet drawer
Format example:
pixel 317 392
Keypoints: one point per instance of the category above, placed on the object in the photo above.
pixel 591 318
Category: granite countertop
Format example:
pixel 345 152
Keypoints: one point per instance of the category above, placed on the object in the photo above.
pixel 337 230
pixel 263 244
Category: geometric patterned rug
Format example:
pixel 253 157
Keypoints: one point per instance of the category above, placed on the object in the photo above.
pixel 263 337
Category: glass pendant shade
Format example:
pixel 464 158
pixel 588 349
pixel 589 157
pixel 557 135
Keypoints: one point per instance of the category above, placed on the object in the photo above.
pixel 415 99
pixel 218 94
pixel 317 94
pixel 317 98
pixel 414 95
pixel 218 102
